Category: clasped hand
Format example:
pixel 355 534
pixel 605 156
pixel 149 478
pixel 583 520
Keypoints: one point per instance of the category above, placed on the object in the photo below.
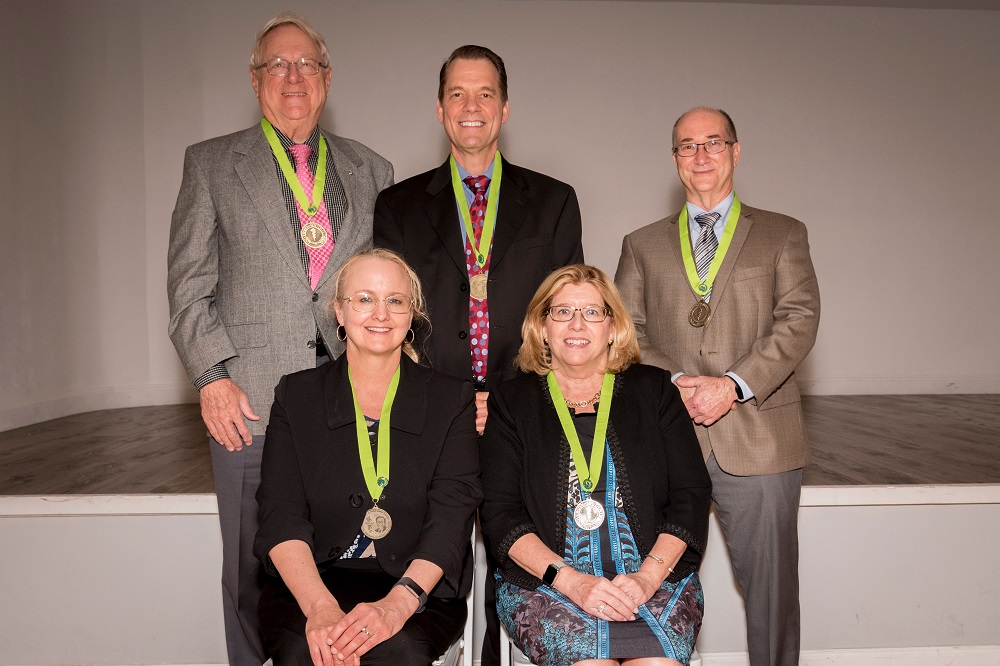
pixel 707 399
pixel 617 600
pixel 339 639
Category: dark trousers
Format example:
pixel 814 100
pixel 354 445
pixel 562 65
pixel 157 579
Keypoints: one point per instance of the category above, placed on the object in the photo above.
pixel 424 637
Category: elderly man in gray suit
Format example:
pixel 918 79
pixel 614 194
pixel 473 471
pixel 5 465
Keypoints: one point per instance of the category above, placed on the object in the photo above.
pixel 263 220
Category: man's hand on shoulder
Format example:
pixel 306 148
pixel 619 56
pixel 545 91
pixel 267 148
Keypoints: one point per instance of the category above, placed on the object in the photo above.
pixel 223 406
pixel 707 399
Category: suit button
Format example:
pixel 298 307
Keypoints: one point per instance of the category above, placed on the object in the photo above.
pixel 315 297
pixel 355 500
pixel 335 551
pixel 462 335
pixel 311 344
pixel 464 286
pixel 392 558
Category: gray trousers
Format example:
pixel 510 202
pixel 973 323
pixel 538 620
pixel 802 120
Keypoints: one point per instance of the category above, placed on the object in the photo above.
pixel 237 475
pixel 759 516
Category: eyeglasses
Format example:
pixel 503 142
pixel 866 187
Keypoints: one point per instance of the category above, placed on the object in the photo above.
pixel 592 313
pixel 280 67
pixel 395 303
pixel 712 147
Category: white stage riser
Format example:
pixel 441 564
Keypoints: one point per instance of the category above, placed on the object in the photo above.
pixel 135 579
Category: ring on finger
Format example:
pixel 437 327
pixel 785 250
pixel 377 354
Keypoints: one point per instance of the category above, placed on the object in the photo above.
pixel 364 630
pixel 600 609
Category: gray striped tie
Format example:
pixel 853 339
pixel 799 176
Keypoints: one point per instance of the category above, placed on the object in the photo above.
pixel 704 249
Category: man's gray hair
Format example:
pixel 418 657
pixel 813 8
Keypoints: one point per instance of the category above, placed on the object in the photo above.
pixel 257 58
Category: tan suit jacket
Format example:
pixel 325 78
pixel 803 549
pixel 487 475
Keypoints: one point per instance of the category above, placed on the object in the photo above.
pixel 765 313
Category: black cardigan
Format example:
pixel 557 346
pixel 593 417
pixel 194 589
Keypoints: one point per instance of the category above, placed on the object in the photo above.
pixel 664 484
pixel 311 479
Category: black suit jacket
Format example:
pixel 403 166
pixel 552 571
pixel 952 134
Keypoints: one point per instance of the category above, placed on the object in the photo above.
pixel 538 230
pixel 661 474
pixel 311 479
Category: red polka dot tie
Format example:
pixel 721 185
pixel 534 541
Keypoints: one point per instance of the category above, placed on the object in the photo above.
pixel 479 314
pixel 318 256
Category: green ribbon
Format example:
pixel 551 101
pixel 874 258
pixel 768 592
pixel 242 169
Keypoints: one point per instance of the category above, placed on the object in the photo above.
pixel 375 479
pixel 704 287
pixel 491 208
pixel 593 470
pixel 310 206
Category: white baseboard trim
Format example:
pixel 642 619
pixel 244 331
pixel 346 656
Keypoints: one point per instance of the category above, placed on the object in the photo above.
pixel 960 655
pixel 898 385
pixel 17 414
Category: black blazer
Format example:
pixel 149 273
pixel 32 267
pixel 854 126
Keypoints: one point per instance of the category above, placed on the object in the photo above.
pixel 311 479
pixel 538 230
pixel 664 484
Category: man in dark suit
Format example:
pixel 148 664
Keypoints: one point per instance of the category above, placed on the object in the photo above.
pixel 724 296
pixel 482 234
pixel 263 220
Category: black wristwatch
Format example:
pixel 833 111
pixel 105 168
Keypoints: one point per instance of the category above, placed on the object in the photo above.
pixel 417 591
pixel 549 577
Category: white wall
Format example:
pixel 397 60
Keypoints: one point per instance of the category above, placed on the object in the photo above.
pixel 875 126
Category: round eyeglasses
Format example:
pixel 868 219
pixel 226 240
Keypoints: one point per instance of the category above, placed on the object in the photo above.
pixel 395 303
pixel 711 146
pixel 592 313
pixel 280 67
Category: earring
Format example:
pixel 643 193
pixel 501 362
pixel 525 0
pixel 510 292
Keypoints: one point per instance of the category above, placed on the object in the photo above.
pixel 611 342
pixel 342 334
pixel 411 335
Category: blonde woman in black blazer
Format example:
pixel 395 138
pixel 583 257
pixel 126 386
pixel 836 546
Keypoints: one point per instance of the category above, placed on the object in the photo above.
pixel 368 578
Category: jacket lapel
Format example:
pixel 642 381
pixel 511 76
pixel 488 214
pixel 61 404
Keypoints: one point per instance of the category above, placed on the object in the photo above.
pixel 409 410
pixel 743 227
pixel 513 209
pixel 255 168
pixel 442 215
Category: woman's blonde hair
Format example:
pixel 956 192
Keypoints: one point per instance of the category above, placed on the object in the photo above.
pixel 534 355
pixel 416 291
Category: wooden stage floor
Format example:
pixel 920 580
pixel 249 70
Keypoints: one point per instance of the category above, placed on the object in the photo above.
pixel 856 440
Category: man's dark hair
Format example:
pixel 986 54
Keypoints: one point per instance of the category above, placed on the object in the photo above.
pixel 473 52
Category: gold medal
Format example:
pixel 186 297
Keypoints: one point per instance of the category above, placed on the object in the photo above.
pixel 477 286
pixel 314 235
pixel 376 524
pixel 700 314
pixel 588 514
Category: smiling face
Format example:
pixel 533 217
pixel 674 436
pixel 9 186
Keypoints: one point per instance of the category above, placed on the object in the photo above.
pixel 707 178
pixel 472 112
pixel 579 347
pixel 378 332
pixel 291 103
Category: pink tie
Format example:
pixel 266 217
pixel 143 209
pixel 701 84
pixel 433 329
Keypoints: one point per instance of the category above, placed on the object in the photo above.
pixel 479 313
pixel 318 256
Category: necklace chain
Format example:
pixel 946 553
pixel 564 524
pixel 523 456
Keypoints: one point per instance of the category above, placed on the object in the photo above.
pixel 584 403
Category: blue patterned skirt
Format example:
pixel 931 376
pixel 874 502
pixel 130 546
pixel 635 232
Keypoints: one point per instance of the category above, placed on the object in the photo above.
pixel 552 630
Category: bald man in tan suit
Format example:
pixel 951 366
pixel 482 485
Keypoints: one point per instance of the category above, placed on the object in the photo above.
pixel 724 296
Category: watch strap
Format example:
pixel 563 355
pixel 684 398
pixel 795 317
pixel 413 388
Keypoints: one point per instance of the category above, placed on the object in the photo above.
pixel 417 591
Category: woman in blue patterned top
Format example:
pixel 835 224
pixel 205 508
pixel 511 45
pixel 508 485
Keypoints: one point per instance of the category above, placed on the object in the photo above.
pixel 596 492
